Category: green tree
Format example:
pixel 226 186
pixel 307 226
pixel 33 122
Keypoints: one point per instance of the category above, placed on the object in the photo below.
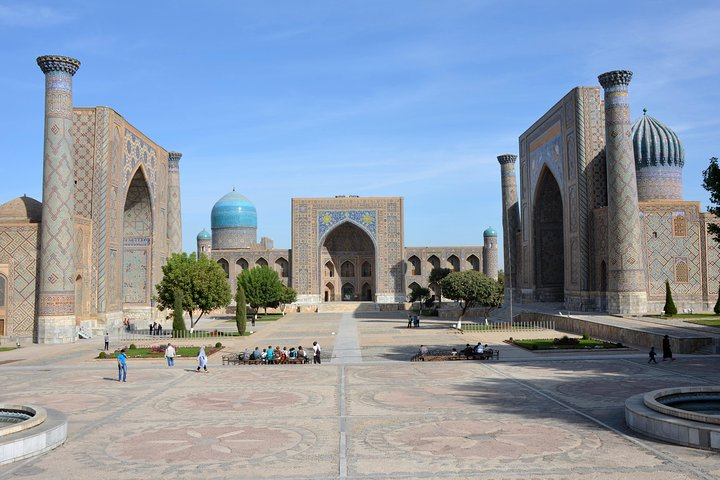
pixel 419 294
pixel 471 289
pixel 670 308
pixel 436 276
pixel 240 310
pixel 711 183
pixel 178 320
pixel 717 304
pixel 287 296
pixel 202 282
pixel 263 287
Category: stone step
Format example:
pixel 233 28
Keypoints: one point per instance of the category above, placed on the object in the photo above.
pixel 333 307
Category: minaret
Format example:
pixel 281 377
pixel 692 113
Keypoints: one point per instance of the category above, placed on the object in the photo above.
pixel 56 286
pixel 490 253
pixel 510 218
pixel 627 283
pixel 174 216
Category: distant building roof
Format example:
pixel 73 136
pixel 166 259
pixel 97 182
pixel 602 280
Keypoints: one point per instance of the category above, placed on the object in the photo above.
pixel 22 209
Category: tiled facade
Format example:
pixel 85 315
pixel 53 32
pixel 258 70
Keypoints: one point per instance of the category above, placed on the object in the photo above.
pixel 350 248
pixel 574 246
pixel 121 222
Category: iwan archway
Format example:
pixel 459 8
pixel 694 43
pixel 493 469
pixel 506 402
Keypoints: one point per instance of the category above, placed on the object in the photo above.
pixel 352 252
pixel 137 248
pixel 549 240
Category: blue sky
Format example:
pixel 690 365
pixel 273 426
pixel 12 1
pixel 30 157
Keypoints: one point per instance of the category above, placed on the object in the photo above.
pixel 283 99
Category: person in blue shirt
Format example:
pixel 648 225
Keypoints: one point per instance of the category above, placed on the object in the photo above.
pixel 122 365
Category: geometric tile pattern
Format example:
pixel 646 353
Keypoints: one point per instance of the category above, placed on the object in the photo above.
pixel 174 218
pixel 626 271
pixel 137 234
pixel 100 208
pixel 314 219
pixel 57 268
pixel 83 130
pixel 18 248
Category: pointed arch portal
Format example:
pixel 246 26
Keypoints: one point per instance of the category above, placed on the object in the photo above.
pixel 549 240
pixel 137 242
pixel 352 248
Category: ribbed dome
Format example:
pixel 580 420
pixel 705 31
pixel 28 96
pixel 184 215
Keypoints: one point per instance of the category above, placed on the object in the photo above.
pixel 490 232
pixel 204 235
pixel 233 210
pixel 655 144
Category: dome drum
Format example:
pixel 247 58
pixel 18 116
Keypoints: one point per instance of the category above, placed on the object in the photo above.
pixel 659 158
pixel 233 238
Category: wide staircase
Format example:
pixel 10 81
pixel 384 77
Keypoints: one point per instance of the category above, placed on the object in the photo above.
pixel 339 307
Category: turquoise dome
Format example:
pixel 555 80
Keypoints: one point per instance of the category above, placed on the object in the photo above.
pixel 233 210
pixel 655 144
pixel 490 232
pixel 204 235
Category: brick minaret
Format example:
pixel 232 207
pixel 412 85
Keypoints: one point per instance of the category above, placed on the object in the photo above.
pixel 490 253
pixel 174 217
pixel 627 283
pixel 56 286
pixel 510 218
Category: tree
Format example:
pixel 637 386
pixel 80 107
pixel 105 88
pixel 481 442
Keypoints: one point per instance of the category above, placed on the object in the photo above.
pixel 419 294
pixel 202 282
pixel 711 183
pixel 669 308
pixel 178 320
pixel 263 287
pixel 436 276
pixel 240 310
pixel 717 304
pixel 471 288
pixel 287 296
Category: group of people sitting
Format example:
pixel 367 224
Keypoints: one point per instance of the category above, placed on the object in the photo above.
pixel 470 352
pixel 277 355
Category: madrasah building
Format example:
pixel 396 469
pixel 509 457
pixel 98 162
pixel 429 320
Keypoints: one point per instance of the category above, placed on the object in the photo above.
pixel 90 253
pixel 600 223
pixel 344 249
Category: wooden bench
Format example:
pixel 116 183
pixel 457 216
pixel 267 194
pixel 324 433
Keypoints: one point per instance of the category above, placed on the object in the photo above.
pixel 231 359
pixel 433 356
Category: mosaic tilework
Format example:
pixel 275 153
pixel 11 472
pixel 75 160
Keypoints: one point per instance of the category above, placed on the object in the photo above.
pixel 100 207
pixel 625 260
pixel 365 219
pixel 174 217
pixel 18 248
pixel 137 234
pixel 57 268
pixel 385 216
pixel 659 184
pixel 511 213
pixel 663 249
pixel 83 130
pixel 138 151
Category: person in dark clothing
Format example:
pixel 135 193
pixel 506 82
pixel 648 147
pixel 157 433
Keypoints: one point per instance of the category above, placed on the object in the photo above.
pixel 652 353
pixel 667 352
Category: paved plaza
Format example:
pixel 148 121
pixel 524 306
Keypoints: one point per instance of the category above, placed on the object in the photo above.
pixel 366 412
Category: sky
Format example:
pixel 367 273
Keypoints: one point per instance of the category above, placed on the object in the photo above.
pixel 317 98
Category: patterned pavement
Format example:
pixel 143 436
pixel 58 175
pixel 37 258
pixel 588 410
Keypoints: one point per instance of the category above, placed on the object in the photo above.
pixel 525 416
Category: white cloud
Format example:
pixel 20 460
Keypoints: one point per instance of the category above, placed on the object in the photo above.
pixel 22 15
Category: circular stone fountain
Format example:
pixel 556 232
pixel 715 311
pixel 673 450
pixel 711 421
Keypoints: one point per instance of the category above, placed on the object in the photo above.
pixel 28 430
pixel 684 415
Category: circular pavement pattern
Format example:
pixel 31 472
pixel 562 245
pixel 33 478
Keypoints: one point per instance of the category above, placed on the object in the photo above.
pixel 481 438
pixel 208 444
pixel 246 400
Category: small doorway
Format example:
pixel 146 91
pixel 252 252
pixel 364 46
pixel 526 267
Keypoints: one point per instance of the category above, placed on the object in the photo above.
pixel 348 292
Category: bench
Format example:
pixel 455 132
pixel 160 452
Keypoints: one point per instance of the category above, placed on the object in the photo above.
pixel 436 355
pixel 231 359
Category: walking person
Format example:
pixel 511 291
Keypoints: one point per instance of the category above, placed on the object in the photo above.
pixel 652 353
pixel 107 341
pixel 202 360
pixel 316 352
pixel 122 365
pixel 254 319
pixel 667 353
pixel 170 355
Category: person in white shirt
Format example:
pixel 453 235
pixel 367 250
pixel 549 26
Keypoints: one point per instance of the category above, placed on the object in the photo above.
pixel 170 355
pixel 316 352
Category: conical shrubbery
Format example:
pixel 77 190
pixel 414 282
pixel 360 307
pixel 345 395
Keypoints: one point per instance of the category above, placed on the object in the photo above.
pixel 670 308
